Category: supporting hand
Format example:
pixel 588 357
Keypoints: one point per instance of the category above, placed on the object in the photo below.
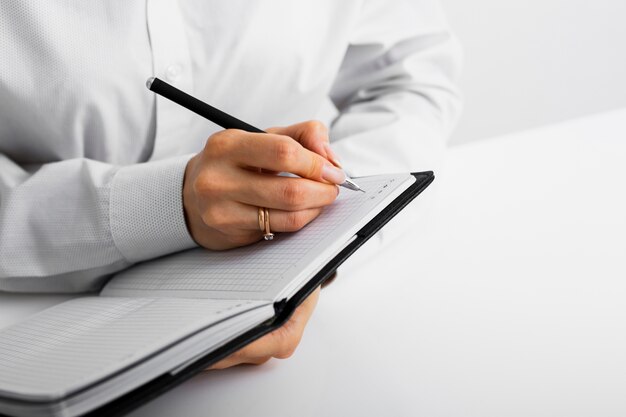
pixel 280 343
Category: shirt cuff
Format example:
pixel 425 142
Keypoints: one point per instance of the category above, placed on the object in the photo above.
pixel 146 209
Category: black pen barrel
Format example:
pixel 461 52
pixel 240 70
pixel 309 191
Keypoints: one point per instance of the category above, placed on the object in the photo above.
pixel 199 107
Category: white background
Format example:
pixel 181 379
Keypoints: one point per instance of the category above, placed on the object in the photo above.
pixel 535 62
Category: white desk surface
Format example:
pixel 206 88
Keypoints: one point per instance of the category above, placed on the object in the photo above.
pixel 508 299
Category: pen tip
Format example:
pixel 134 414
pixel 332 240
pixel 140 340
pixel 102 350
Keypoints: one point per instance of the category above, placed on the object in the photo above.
pixel 348 183
pixel 149 82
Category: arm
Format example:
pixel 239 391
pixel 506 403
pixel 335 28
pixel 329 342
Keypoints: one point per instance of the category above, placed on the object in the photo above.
pixel 395 91
pixel 396 96
pixel 66 226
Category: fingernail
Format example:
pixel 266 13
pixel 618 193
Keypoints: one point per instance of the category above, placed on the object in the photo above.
pixel 333 174
pixel 332 156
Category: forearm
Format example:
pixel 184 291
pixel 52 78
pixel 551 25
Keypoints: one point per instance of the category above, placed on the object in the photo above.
pixel 398 132
pixel 68 225
pixel 397 96
pixel 396 91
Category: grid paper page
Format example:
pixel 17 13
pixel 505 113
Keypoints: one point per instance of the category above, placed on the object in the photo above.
pixel 251 271
pixel 80 341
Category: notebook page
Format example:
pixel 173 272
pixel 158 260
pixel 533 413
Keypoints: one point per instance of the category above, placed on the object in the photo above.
pixel 76 343
pixel 264 270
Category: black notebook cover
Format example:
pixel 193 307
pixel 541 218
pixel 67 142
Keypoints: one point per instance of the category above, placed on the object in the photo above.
pixel 283 311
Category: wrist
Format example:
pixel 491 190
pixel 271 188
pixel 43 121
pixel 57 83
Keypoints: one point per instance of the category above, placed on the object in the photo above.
pixel 190 201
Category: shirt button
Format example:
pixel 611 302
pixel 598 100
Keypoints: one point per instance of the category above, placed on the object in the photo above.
pixel 172 73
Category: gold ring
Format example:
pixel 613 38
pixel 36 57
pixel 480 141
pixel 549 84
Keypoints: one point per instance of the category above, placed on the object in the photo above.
pixel 264 223
pixel 261 219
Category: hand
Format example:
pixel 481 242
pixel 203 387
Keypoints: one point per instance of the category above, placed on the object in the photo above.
pixel 224 187
pixel 280 343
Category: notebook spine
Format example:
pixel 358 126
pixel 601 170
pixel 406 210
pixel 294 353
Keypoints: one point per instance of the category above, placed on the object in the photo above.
pixel 279 307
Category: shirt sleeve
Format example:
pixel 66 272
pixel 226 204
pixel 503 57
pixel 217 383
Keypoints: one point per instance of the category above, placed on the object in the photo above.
pixel 67 226
pixel 395 90
pixel 397 97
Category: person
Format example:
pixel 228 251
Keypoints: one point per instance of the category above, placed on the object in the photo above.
pixel 97 173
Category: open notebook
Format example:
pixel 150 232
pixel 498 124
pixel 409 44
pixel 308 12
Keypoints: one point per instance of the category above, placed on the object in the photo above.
pixel 158 322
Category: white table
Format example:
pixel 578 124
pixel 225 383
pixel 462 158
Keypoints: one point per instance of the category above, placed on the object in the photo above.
pixel 509 299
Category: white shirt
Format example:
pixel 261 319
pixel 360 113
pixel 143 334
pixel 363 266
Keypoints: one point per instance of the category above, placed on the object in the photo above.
pixel 92 163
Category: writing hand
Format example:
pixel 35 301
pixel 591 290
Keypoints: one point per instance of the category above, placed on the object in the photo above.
pixel 223 185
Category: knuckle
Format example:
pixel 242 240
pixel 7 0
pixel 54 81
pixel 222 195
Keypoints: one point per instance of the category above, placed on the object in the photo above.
pixel 205 187
pixel 316 126
pixel 285 151
pixel 315 167
pixel 200 186
pixel 220 142
pixel 287 348
pixel 294 221
pixel 215 218
pixel 208 142
pixel 293 194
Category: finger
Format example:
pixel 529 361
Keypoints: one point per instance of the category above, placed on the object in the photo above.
pixel 256 353
pixel 238 358
pixel 237 220
pixel 311 134
pixel 329 280
pixel 305 310
pixel 292 221
pixel 332 156
pixel 282 221
pixel 282 154
pixel 280 343
pixel 282 193
pixel 288 337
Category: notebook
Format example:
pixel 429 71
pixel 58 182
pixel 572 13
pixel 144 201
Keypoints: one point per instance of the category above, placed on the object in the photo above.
pixel 159 322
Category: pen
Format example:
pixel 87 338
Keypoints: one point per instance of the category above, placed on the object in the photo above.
pixel 217 116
